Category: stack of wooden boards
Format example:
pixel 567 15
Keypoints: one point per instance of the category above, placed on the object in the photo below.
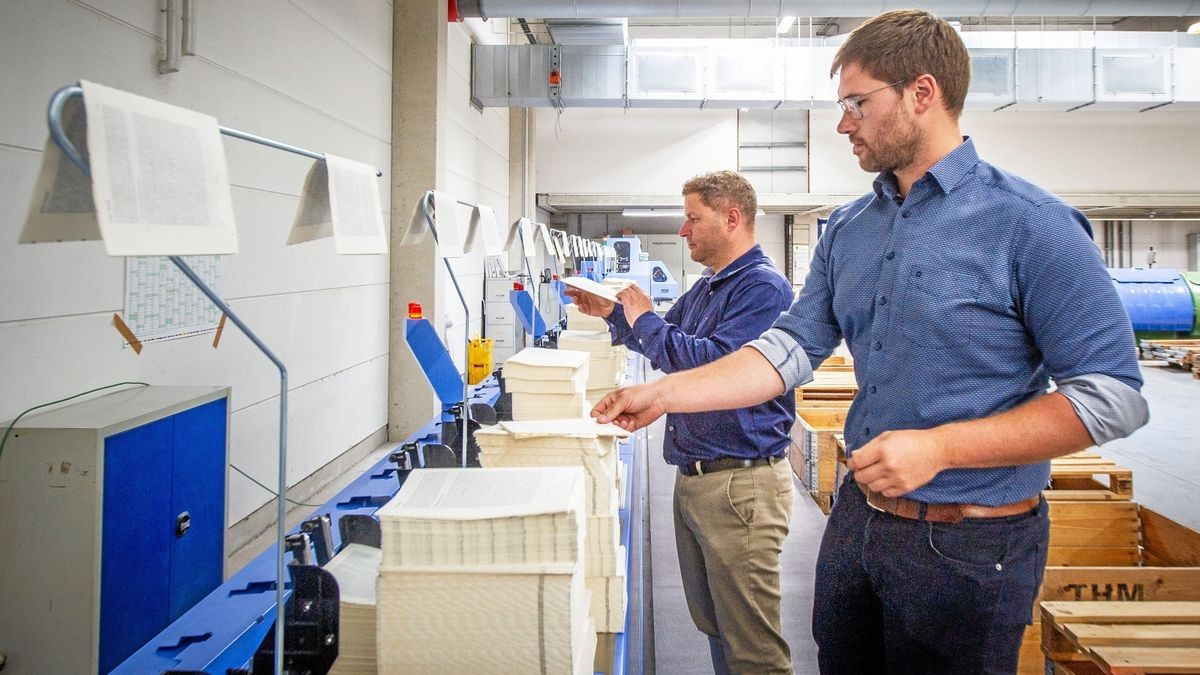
pixel 1106 548
pixel 594 447
pixel 1182 353
pixel 482 572
pixel 821 408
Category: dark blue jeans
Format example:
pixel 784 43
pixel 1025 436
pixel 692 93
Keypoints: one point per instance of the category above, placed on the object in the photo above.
pixel 903 596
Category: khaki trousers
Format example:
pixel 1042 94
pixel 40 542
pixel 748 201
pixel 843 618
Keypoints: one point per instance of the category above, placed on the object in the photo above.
pixel 729 532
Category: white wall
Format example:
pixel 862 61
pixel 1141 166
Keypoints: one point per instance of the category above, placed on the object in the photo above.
pixel 310 73
pixel 623 151
pixel 477 172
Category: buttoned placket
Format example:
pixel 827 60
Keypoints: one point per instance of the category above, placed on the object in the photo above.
pixel 883 301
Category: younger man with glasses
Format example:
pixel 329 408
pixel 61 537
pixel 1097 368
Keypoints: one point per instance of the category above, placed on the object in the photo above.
pixel 962 290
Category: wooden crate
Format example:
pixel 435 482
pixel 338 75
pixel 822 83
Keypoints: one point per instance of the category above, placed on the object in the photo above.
pixel 1074 478
pixel 828 385
pixel 1167 568
pixel 1123 637
pixel 1095 533
pixel 813 452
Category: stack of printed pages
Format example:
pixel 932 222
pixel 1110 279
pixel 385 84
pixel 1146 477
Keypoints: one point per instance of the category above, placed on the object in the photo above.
pixel 547 383
pixel 584 443
pixel 608 364
pixel 482 572
pixel 356 568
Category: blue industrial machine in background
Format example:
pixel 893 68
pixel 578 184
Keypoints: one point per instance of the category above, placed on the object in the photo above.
pixel 1162 303
pixel 652 275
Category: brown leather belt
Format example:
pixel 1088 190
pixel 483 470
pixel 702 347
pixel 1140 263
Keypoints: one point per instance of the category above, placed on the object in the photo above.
pixel 945 513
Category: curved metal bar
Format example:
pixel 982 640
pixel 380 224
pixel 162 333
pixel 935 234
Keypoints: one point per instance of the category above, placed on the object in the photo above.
pixel 54 121
pixel 59 100
pixel 466 404
pixel 280 561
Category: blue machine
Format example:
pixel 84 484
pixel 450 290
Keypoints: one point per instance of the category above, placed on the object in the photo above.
pixel 652 275
pixel 529 316
pixel 1157 300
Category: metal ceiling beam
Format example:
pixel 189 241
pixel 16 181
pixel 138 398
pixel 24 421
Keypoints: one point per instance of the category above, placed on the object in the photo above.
pixel 600 9
pixel 1165 206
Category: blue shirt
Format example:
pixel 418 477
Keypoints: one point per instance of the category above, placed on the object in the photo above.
pixel 960 301
pixel 715 317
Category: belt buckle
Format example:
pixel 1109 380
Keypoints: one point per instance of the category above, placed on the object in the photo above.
pixel 699 468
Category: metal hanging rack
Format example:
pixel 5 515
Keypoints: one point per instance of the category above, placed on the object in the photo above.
pixel 427 201
pixel 54 119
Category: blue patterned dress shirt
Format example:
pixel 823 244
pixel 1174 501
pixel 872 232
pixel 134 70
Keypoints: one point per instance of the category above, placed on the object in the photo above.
pixel 715 317
pixel 959 301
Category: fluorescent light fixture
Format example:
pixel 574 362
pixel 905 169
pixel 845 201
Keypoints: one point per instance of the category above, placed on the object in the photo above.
pixel 1194 29
pixel 652 213
pixel 785 24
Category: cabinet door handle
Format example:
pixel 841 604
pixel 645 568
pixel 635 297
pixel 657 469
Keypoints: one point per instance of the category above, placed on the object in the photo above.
pixel 182 522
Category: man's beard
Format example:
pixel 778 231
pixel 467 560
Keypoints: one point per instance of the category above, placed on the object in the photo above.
pixel 897 144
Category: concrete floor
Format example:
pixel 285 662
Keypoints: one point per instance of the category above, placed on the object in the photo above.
pixel 1164 456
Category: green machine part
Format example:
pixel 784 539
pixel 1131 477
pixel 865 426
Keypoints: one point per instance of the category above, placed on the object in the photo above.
pixel 1193 282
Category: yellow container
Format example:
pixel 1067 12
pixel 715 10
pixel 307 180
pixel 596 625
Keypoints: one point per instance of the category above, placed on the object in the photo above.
pixel 479 356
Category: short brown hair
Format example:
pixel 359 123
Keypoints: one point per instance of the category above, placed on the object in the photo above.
pixel 901 45
pixel 722 188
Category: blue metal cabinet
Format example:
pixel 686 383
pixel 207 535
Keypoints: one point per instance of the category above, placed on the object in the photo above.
pixel 119 527
pixel 163 524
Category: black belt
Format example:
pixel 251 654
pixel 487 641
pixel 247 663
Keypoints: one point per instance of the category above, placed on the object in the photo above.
pixel 723 464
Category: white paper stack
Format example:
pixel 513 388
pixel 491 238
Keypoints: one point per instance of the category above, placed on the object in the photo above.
pixel 609 599
pixel 577 320
pixel 497 586
pixel 593 446
pixel 607 363
pixel 547 383
pixel 356 568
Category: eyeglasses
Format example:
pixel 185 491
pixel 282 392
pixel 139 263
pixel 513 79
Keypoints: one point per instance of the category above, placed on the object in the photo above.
pixel 852 105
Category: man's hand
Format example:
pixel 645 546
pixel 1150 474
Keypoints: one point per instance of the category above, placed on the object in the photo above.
pixel 898 462
pixel 588 303
pixel 635 302
pixel 630 408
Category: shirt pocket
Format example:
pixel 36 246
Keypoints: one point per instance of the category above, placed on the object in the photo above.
pixel 940 307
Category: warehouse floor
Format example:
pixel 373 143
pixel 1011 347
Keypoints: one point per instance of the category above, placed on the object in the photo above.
pixel 1164 456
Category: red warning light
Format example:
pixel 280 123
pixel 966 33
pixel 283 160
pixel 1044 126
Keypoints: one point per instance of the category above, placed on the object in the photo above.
pixel 415 311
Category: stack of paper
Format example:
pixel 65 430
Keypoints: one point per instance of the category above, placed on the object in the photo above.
pixel 497 586
pixel 547 383
pixel 609 599
pixel 577 320
pixel 593 446
pixel 607 363
pixel 355 569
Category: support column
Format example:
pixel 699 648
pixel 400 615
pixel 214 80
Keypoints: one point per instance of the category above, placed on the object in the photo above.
pixel 419 86
pixel 522 199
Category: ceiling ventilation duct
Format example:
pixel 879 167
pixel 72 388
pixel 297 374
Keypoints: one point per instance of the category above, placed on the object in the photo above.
pixel 1011 71
pixel 588 31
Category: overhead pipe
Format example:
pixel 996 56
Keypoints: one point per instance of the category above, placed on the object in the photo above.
pixel 680 9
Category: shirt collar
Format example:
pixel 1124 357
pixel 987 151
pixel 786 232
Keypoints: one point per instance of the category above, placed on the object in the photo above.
pixel 741 262
pixel 946 174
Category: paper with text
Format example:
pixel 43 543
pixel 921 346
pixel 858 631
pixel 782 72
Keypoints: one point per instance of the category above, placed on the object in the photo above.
pixel 159 178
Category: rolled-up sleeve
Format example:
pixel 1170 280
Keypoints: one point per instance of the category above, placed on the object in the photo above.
pixel 805 335
pixel 1077 321
pixel 750 311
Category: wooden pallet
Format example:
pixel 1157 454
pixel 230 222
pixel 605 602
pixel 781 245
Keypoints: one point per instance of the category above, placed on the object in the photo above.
pixel 1123 638
pixel 1170 553
pixel 828 386
pixel 1182 353
pixel 1073 478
